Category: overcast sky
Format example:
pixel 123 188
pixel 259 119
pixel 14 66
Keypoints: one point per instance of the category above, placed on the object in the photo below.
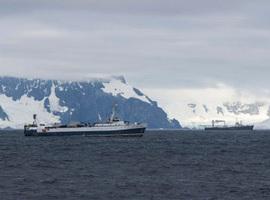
pixel 153 43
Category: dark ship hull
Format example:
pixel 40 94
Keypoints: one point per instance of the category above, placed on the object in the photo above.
pixel 129 132
pixel 230 128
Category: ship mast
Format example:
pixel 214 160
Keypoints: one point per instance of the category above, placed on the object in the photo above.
pixel 113 113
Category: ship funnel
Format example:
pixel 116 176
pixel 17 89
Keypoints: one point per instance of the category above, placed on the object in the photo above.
pixel 35 119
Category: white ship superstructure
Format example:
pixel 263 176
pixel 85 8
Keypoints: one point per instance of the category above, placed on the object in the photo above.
pixel 113 127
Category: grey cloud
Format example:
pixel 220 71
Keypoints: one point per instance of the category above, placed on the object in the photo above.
pixel 154 43
pixel 127 6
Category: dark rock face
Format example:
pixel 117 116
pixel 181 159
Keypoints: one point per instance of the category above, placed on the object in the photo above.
pixel 3 114
pixel 220 110
pixel 239 108
pixel 85 101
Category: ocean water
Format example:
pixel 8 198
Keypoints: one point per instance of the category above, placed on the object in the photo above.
pixel 161 165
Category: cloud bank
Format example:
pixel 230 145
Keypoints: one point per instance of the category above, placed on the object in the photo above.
pixel 154 43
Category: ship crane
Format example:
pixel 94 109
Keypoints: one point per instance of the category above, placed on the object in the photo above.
pixel 218 121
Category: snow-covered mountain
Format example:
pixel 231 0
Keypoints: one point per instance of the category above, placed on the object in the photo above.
pixel 201 114
pixel 72 101
pixel 197 107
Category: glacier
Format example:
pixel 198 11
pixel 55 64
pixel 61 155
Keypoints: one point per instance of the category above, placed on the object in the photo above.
pixel 202 114
pixel 59 101
pixel 197 107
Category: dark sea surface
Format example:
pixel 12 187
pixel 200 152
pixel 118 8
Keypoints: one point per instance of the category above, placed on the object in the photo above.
pixel 161 165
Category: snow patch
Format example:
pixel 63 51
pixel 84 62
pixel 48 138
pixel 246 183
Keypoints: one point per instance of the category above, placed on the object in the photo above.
pixel 55 102
pixel 3 88
pixel 61 88
pixel 117 87
pixel 20 112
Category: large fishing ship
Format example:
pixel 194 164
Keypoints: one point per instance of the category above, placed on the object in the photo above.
pixel 113 127
pixel 237 127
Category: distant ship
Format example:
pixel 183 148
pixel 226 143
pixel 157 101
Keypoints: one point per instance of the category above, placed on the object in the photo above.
pixel 113 127
pixel 237 127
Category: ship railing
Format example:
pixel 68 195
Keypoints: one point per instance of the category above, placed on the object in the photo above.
pixel 30 126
